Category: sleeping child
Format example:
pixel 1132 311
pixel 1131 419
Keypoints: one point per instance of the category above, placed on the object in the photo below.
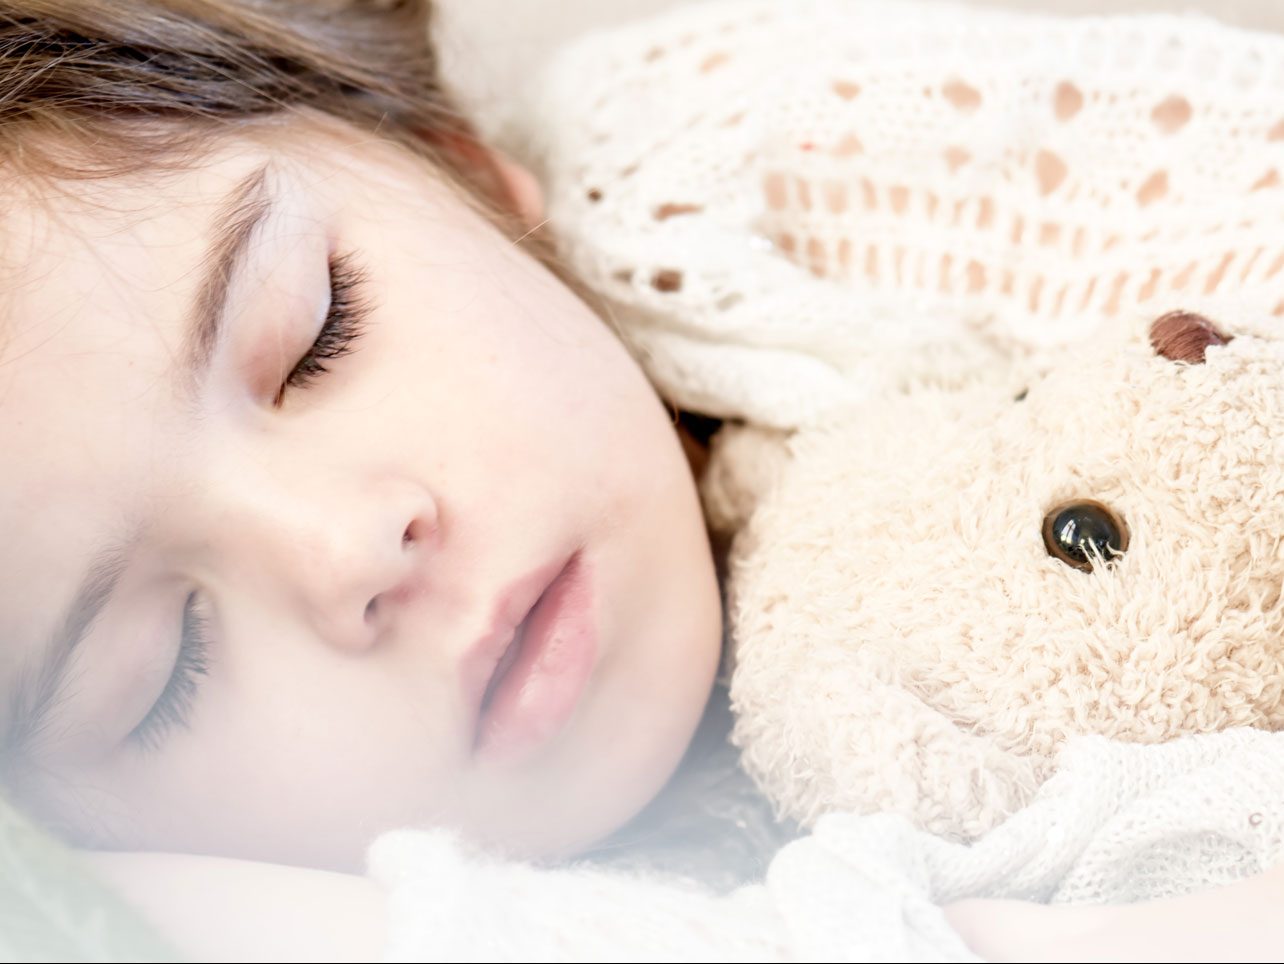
pixel 344 533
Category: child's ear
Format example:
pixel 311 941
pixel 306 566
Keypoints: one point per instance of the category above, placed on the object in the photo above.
pixel 520 185
pixel 508 183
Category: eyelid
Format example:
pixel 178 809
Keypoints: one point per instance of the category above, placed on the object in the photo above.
pixel 275 314
pixel 341 328
pixel 172 707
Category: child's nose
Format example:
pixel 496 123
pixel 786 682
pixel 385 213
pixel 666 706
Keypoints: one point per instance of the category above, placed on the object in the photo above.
pixel 352 567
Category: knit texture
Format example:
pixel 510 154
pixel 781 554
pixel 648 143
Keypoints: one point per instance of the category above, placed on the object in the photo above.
pixel 778 199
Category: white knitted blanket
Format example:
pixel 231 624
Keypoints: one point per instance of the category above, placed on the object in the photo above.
pixel 1117 823
pixel 776 200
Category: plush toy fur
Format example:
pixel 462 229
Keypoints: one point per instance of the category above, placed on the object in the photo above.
pixel 904 639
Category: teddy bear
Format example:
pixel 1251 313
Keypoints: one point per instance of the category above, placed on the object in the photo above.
pixel 930 591
pixel 990 306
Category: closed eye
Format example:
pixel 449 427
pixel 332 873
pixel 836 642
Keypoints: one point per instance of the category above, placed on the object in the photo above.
pixel 343 326
pixel 173 707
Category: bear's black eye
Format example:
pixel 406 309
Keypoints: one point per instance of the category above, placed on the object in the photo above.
pixel 1081 531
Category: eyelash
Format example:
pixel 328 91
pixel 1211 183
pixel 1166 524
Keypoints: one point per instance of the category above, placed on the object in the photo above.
pixel 343 326
pixel 173 707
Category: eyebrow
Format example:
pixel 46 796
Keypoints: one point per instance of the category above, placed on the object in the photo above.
pixel 36 690
pixel 240 215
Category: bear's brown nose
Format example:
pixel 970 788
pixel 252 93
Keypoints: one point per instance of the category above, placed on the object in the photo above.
pixel 1184 336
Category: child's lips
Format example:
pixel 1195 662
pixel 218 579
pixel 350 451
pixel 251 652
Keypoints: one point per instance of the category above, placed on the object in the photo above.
pixel 524 678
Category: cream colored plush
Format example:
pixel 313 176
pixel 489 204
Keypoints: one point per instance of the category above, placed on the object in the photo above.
pixel 905 640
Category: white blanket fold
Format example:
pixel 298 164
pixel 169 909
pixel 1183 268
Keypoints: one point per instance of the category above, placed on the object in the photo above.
pixel 1117 823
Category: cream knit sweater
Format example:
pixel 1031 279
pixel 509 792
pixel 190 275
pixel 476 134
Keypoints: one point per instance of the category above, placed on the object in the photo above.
pixel 775 199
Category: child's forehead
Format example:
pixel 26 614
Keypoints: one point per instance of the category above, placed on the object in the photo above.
pixel 87 258
pixel 184 187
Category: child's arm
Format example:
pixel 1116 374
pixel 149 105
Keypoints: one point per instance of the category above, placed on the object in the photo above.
pixel 1241 922
pixel 215 909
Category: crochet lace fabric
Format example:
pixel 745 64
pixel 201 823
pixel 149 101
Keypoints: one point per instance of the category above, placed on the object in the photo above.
pixel 772 197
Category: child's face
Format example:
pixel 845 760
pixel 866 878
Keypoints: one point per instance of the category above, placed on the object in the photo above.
pixel 354 545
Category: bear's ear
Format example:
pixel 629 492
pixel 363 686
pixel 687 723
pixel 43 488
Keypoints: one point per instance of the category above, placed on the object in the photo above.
pixel 1184 336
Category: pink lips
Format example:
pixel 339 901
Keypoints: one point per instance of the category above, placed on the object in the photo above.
pixel 525 677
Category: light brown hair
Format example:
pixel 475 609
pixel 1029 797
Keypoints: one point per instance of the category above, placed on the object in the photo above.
pixel 100 88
